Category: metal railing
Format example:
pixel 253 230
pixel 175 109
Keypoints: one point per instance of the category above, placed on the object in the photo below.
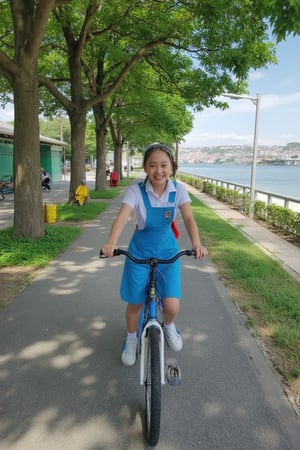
pixel 269 198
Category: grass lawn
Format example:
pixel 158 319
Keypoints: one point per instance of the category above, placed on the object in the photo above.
pixel 111 192
pixel 38 252
pixel 90 211
pixel 268 296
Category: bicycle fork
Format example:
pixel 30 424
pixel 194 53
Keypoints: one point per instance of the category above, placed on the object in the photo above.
pixel 144 350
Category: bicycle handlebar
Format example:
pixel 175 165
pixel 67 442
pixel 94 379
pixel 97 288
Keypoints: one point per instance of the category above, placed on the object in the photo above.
pixel 119 251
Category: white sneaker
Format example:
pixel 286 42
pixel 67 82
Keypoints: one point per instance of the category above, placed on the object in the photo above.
pixel 173 338
pixel 128 355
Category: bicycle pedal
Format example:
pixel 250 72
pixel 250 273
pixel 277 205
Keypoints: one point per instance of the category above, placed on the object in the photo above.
pixel 173 372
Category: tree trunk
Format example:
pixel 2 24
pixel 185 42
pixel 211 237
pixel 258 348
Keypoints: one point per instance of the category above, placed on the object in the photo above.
pixel 78 172
pixel 117 137
pixel 28 212
pixel 118 159
pixel 99 114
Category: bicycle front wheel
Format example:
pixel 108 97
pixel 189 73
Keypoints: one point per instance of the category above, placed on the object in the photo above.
pixel 153 387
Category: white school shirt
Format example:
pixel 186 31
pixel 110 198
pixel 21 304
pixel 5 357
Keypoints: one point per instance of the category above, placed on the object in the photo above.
pixel 134 199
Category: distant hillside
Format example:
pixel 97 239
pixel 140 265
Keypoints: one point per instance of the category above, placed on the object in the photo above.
pixel 240 154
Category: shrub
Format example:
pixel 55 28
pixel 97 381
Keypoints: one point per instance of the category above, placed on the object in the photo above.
pixel 281 217
pixel 238 200
pixel 209 188
pixel 221 193
pixel 197 183
pixel 230 193
pixel 297 225
pixel 260 211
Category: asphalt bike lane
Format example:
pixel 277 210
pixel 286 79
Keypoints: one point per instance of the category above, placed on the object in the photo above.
pixel 63 385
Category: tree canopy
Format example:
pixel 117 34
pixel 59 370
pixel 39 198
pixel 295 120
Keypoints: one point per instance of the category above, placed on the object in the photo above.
pixel 284 17
pixel 83 51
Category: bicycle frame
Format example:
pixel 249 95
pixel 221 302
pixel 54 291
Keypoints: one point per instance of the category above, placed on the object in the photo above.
pixel 151 319
pixel 151 339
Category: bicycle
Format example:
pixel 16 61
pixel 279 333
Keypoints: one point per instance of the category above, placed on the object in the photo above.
pixel 153 372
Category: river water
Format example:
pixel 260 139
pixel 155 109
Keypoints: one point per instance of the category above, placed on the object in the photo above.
pixel 281 180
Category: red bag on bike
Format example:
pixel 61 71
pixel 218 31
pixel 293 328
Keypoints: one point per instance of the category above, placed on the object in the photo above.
pixel 175 229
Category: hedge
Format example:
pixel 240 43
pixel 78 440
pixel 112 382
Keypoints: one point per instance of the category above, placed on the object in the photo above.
pixel 279 217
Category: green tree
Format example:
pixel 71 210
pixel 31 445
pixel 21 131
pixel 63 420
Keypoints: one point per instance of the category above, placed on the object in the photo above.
pixel 284 16
pixel 224 40
pixel 23 24
pixel 149 115
pixel 107 41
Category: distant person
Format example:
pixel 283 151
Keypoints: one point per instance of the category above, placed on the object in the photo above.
pixel 5 184
pixel 45 179
pixel 81 193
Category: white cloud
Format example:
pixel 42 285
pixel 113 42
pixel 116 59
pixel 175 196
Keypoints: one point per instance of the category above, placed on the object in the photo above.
pixel 257 75
pixel 278 123
pixel 7 114
pixel 272 100
pixel 212 139
pixel 267 102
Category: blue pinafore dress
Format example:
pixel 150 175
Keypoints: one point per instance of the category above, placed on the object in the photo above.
pixel 155 240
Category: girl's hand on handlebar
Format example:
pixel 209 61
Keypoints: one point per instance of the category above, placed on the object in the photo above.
pixel 201 252
pixel 108 250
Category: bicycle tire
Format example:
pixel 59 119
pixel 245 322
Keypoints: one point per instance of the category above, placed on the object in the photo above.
pixel 153 388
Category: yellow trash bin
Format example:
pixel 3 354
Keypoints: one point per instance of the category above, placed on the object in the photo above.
pixel 50 213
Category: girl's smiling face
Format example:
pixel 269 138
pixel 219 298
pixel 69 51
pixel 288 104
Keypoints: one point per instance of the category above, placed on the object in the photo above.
pixel 158 168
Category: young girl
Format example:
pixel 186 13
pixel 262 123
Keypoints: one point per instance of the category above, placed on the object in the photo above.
pixel 156 201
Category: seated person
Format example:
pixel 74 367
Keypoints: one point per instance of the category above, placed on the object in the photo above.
pixel 81 193
pixel 3 185
pixel 45 176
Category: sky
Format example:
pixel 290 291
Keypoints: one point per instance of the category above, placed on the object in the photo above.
pixel 279 112
pixel 279 118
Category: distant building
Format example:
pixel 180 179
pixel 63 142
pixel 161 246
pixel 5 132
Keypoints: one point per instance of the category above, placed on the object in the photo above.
pixel 281 162
pixel 51 151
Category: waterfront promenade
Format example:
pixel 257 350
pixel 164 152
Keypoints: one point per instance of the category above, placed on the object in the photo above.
pixel 267 197
pixel 63 385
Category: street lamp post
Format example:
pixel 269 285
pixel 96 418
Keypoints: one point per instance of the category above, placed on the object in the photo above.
pixel 256 102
